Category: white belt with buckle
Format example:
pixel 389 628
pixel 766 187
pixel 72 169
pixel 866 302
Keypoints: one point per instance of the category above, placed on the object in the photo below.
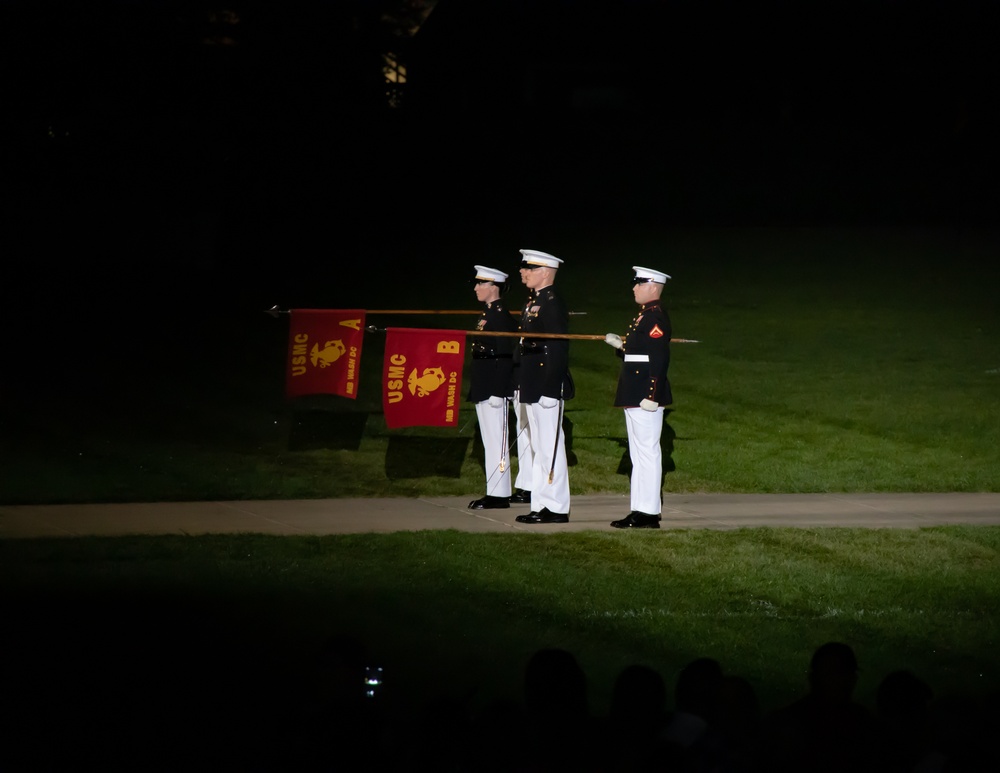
pixel 636 358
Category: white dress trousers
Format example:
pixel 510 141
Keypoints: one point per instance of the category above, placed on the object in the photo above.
pixel 548 444
pixel 644 430
pixel 493 428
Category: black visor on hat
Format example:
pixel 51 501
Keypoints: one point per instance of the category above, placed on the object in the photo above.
pixel 640 280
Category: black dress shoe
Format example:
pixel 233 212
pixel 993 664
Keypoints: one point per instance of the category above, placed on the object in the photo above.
pixel 637 520
pixel 489 503
pixel 520 497
pixel 543 516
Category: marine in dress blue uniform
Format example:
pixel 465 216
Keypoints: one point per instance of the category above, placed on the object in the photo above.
pixel 492 385
pixel 543 384
pixel 643 391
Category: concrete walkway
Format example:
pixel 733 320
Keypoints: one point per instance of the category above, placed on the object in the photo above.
pixel 344 516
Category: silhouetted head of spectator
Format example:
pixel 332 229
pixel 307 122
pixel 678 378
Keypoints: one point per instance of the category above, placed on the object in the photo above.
pixel 903 697
pixel 697 688
pixel 739 712
pixel 639 691
pixel 833 671
pixel 555 685
pixel 337 686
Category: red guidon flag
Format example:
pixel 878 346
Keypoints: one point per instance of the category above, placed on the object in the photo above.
pixel 422 377
pixel 324 352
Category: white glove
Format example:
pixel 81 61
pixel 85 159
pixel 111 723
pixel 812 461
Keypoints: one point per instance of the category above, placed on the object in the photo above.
pixel 495 402
pixel 649 405
pixel 547 402
pixel 613 340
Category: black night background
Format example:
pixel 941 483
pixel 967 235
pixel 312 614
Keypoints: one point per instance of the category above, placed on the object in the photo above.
pixel 170 152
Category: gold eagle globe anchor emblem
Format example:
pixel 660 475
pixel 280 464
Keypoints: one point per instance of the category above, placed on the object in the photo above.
pixel 427 382
pixel 329 354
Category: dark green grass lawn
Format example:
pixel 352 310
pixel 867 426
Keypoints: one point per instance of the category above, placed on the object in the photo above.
pixel 232 651
pixel 448 613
